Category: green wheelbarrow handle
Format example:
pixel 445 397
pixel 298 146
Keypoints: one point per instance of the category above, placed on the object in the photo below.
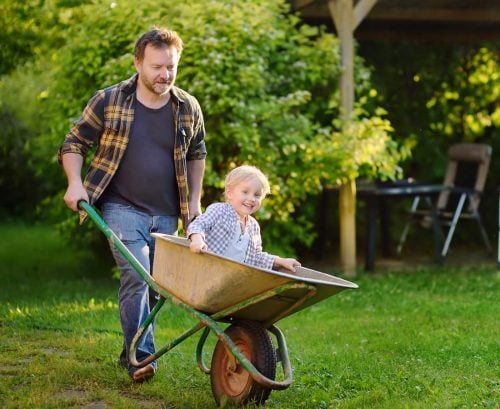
pixel 114 239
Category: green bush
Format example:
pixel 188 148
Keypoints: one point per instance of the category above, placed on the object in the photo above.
pixel 268 86
pixel 445 93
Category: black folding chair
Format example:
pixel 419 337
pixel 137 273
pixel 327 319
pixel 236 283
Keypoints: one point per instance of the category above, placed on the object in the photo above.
pixel 468 165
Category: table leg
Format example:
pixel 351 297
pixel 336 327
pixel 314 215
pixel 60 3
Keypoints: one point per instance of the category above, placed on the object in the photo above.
pixel 371 234
pixel 498 233
pixel 323 217
pixel 385 231
pixel 437 233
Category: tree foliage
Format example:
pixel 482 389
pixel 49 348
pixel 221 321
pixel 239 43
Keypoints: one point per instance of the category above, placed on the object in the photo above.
pixel 19 40
pixel 268 86
pixel 467 104
pixel 30 30
pixel 444 94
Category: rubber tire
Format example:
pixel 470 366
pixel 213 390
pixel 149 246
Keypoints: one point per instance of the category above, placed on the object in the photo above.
pixel 237 386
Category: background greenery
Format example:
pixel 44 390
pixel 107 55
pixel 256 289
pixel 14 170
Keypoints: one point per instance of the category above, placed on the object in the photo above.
pixel 425 338
pixel 268 86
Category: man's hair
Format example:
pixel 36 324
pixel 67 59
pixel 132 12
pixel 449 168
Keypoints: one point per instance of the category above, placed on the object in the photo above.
pixel 158 37
pixel 245 173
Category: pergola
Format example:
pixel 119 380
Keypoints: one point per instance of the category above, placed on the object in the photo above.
pixel 420 20
pixel 448 20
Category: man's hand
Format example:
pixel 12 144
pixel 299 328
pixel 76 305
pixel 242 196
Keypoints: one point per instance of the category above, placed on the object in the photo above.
pixel 74 193
pixel 194 209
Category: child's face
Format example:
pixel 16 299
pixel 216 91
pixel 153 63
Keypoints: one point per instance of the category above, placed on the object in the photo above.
pixel 246 197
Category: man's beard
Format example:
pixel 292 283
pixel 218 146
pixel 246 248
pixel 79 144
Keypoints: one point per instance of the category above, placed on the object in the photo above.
pixel 158 88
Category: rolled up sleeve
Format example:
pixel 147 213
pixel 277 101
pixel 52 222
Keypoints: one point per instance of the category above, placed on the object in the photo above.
pixel 87 128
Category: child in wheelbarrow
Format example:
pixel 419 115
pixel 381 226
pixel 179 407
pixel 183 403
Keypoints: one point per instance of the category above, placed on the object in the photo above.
pixel 229 229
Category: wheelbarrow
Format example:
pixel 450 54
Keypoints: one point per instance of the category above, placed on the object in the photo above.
pixel 239 303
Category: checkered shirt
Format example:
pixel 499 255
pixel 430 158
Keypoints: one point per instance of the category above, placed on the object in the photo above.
pixel 218 224
pixel 106 122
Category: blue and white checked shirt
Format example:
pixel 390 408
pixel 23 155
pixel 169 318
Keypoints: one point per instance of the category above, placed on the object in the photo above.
pixel 218 225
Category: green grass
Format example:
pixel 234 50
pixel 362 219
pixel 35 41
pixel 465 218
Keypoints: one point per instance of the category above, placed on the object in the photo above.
pixel 427 338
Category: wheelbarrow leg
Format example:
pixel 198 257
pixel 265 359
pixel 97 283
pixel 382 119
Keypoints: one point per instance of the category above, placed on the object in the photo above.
pixel 140 333
pixel 199 350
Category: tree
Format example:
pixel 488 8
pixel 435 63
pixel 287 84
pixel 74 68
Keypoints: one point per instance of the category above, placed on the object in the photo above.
pixel 465 106
pixel 265 81
pixel 444 93
pixel 30 29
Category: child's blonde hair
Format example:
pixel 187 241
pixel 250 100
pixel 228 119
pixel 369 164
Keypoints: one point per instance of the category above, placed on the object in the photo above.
pixel 244 173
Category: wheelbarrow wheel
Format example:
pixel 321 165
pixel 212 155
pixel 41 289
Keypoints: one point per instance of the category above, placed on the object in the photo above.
pixel 232 383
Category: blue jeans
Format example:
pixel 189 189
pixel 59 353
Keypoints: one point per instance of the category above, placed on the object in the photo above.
pixel 134 229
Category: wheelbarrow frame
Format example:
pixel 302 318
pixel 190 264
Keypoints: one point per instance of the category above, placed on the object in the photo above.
pixel 211 321
pixel 206 322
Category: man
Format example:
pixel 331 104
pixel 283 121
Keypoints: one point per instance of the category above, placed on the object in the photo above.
pixel 147 170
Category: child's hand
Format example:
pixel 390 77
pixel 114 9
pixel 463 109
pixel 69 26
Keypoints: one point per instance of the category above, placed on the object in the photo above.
pixel 287 263
pixel 197 243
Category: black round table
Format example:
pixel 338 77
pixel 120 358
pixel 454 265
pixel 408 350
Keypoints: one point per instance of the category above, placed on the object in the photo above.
pixel 375 196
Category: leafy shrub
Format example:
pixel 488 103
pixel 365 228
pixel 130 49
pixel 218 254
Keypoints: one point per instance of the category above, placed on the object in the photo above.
pixel 268 86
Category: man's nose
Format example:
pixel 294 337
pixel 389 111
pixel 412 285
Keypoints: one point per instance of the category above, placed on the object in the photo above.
pixel 166 73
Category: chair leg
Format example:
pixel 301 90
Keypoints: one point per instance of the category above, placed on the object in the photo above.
pixel 402 240
pixel 486 240
pixel 406 229
pixel 436 223
pixel 437 232
pixel 453 225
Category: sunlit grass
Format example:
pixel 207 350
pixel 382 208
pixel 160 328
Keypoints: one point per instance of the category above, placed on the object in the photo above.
pixel 427 338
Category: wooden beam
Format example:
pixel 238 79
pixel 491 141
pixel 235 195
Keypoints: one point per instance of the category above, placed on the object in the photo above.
pixel 343 17
pixel 361 10
pixel 456 33
pixel 298 5
pixel 335 13
pixel 443 15
pixel 475 13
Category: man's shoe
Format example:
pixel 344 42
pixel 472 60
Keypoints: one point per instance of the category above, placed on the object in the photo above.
pixel 143 374
pixel 122 360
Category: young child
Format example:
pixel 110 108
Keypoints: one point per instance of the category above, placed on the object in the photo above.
pixel 229 229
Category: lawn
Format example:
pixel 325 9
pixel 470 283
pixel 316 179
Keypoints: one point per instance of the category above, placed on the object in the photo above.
pixel 422 338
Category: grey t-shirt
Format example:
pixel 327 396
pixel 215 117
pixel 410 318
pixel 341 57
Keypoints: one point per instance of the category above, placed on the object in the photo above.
pixel 145 177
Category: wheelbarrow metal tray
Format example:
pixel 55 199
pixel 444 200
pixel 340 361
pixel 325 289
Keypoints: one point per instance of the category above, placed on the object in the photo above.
pixel 211 283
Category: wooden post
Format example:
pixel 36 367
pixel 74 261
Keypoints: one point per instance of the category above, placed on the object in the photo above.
pixel 342 12
pixel 347 219
pixel 346 18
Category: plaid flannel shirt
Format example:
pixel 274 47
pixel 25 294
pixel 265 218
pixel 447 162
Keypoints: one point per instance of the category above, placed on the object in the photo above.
pixel 218 224
pixel 106 122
